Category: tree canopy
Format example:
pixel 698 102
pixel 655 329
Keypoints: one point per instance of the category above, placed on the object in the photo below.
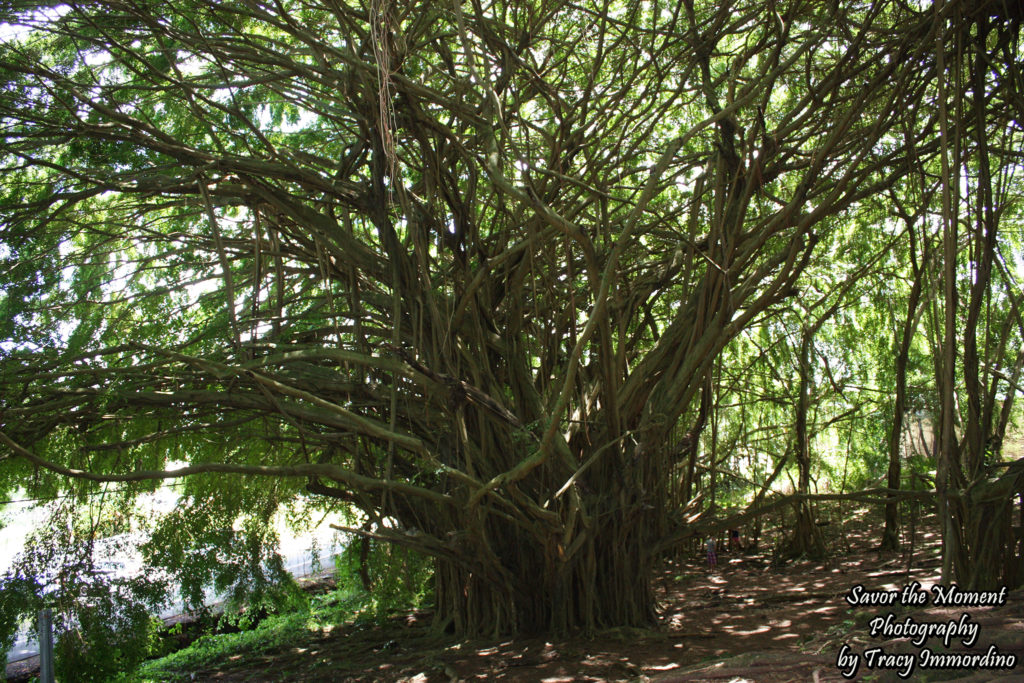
pixel 502 278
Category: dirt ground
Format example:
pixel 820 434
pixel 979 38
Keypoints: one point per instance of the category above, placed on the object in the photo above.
pixel 747 620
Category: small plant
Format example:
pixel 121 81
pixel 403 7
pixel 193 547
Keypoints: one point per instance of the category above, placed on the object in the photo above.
pixel 840 629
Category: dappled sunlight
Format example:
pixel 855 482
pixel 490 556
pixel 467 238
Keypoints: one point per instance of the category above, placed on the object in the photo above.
pixel 739 632
pixel 749 620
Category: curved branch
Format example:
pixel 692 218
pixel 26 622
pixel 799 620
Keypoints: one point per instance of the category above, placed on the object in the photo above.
pixel 325 470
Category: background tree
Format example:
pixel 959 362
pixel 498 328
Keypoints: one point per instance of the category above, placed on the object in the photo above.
pixel 974 496
pixel 902 339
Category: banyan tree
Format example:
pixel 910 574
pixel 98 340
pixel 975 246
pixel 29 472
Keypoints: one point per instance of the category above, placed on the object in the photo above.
pixel 463 268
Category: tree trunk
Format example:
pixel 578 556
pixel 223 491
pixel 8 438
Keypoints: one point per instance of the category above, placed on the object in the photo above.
pixel 547 588
pixel 890 535
pixel 806 539
pixel 978 541
pixel 993 561
pixel 948 447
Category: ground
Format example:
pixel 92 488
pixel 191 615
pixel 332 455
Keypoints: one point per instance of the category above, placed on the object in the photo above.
pixel 748 620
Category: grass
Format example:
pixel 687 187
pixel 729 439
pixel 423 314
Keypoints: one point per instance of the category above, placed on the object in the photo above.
pixel 271 634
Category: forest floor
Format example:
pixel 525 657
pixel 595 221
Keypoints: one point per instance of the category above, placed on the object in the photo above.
pixel 750 619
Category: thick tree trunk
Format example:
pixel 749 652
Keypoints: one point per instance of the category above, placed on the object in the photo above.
pixel 546 588
pixel 993 560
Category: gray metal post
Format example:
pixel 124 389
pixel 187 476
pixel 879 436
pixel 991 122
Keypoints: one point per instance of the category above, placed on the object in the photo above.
pixel 46 646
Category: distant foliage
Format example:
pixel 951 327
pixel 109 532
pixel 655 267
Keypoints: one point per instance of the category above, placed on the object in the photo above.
pixel 108 633
pixel 18 601
pixel 103 623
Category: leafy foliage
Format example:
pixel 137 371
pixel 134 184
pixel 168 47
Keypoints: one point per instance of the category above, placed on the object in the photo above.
pixel 103 623
pixel 391 578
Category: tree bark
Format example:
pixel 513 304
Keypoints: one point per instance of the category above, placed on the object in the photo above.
pixel 890 534
pixel 806 539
